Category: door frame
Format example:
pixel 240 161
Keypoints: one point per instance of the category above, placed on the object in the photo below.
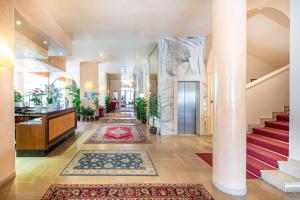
pixel 192 78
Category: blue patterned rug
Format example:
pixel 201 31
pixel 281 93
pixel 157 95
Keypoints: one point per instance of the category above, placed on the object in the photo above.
pixel 110 163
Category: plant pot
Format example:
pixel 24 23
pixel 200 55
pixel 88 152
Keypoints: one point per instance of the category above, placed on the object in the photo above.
pixel 78 117
pixel 38 108
pixel 96 118
pixel 153 130
pixel 144 121
pixel 51 107
pixel 18 104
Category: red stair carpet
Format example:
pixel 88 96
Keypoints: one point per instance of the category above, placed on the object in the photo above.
pixel 268 145
pixel 265 146
pixel 207 157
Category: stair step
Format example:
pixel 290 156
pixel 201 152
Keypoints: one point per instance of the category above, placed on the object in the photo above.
pixel 264 155
pixel 290 167
pixel 281 180
pixel 276 134
pixel 268 143
pixel 283 117
pixel 282 125
pixel 254 166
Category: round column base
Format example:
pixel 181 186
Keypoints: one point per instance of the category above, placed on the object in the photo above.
pixel 230 191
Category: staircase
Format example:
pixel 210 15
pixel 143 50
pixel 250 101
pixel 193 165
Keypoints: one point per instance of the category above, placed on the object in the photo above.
pixel 267 147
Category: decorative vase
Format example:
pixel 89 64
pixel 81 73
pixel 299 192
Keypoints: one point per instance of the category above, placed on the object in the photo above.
pixel 38 108
pixel 51 107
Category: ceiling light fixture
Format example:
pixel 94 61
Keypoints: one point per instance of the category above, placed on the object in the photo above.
pixel 45 42
pixel 259 8
pixel 18 22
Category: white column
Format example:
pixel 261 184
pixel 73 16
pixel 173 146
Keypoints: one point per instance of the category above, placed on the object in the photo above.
pixel 294 140
pixel 7 133
pixel 229 69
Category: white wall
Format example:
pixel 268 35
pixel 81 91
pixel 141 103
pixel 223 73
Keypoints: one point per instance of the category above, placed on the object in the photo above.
pixel 266 95
pixel 72 72
pixel 102 81
pixel 256 68
pixel 115 85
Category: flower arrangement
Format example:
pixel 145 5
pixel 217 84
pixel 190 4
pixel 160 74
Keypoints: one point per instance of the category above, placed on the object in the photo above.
pixel 36 96
pixel 53 94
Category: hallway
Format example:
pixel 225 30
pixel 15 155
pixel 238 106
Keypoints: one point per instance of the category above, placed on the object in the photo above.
pixel 173 157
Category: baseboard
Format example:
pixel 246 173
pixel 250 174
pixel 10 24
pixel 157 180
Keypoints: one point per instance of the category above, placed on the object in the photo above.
pixel 8 179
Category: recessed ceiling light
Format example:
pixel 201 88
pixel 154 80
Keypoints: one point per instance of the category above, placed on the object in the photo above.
pixel 101 54
pixel 45 42
pixel 259 8
pixel 18 22
pixel 60 53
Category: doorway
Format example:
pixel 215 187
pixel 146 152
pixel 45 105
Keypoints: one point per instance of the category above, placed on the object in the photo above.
pixel 188 96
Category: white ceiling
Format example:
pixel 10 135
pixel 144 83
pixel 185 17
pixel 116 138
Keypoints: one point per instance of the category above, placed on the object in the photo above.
pixel 127 30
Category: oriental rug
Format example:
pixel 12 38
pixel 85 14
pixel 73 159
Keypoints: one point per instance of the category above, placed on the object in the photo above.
pixel 110 163
pixel 117 120
pixel 118 134
pixel 127 191
pixel 119 117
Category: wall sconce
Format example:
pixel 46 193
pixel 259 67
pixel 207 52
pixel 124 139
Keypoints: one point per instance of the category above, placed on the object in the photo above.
pixel 88 85
pixel 6 55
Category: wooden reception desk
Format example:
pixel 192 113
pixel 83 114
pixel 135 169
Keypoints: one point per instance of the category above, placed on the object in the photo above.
pixel 39 133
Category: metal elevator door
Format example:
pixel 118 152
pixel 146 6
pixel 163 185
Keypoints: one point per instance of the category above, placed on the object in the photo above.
pixel 187 107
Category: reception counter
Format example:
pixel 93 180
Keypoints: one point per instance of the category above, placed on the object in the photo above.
pixel 39 133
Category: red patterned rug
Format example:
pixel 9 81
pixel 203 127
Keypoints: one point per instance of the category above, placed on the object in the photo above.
pixel 208 158
pixel 128 191
pixel 118 134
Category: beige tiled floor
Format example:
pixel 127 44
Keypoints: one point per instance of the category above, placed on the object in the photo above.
pixel 173 157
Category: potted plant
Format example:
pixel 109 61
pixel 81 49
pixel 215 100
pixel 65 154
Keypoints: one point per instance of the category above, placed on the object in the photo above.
pixel 36 97
pixel 138 102
pixel 50 104
pixel 90 112
pixel 83 113
pixel 107 103
pixel 96 104
pixel 153 111
pixel 53 97
pixel 18 99
pixel 75 93
pixel 143 111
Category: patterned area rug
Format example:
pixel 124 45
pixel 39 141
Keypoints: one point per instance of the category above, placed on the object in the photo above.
pixel 110 163
pixel 128 191
pixel 118 134
pixel 119 117
pixel 117 121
